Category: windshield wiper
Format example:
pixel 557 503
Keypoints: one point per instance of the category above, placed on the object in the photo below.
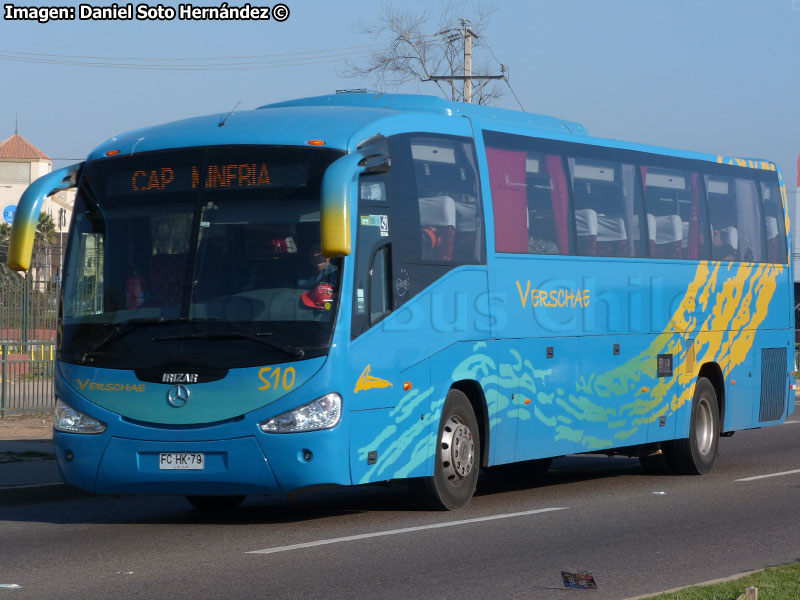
pixel 253 337
pixel 123 328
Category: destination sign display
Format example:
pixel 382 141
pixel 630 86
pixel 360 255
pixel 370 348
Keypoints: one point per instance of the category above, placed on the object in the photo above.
pixel 209 170
pixel 212 177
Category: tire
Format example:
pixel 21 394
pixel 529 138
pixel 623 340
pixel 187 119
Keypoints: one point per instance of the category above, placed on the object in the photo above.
pixel 696 454
pixel 458 450
pixel 215 502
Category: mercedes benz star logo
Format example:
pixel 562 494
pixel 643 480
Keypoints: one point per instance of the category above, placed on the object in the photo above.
pixel 178 396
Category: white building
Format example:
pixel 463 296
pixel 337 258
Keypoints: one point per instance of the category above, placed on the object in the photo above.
pixel 22 163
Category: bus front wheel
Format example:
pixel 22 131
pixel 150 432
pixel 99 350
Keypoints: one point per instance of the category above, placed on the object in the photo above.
pixel 696 454
pixel 458 450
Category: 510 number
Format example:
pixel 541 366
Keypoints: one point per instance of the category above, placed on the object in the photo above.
pixel 287 381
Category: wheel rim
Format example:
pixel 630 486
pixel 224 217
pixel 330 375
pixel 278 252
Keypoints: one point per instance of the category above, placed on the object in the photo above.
pixel 704 427
pixel 457 452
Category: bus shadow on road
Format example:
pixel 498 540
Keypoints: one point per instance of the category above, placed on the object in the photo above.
pixel 564 470
pixel 310 505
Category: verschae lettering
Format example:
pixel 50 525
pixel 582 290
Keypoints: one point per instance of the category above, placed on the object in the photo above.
pixel 43 14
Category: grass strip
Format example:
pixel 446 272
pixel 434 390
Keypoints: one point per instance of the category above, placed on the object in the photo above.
pixel 777 583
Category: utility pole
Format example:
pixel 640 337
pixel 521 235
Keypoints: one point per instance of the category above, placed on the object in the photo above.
pixel 467 77
pixel 468 35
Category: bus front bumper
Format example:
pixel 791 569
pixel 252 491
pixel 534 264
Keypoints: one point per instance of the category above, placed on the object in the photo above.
pixel 261 464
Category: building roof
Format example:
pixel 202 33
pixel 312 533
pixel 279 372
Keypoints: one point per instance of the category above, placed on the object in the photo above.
pixel 17 147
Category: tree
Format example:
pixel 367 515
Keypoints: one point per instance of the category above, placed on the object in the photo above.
pixel 411 54
pixel 46 235
pixel 46 230
pixel 5 272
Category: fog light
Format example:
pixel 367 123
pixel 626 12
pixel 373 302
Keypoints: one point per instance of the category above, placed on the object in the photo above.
pixel 307 456
pixel 69 455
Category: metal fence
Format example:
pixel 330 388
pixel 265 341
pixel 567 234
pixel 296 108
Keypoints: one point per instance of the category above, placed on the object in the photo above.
pixel 26 377
pixel 28 316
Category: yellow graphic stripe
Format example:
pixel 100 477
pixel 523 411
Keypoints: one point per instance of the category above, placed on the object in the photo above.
pixel 368 382
pixel 725 337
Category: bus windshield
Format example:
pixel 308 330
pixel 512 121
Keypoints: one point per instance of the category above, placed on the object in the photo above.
pixel 205 257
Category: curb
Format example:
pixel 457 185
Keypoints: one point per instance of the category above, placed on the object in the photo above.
pixel 712 582
pixel 15 495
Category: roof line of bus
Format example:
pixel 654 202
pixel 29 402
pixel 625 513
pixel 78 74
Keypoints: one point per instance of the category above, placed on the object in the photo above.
pixel 545 126
pixel 434 105
pixel 376 108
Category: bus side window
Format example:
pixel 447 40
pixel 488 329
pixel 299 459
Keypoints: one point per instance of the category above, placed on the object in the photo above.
pixel 737 224
pixel 371 294
pixel 451 224
pixel 607 205
pixel 530 196
pixel 774 221
pixel 548 204
pixel 509 199
pixel 676 213
pixel 380 291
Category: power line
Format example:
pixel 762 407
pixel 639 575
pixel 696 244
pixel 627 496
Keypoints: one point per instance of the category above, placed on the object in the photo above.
pixel 111 58
pixel 236 66
pixel 277 59
pixel 504 69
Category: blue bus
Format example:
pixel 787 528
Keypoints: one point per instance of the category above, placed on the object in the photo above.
pixel 366 287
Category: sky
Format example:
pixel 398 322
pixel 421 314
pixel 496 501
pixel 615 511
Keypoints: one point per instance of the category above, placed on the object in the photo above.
pixel 717 76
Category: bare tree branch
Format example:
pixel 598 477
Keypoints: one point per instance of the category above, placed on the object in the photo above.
pixel 411 54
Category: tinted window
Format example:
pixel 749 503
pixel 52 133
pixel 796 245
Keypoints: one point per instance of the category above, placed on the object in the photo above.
pixel 380 292
pixel 610 201
pixel 676 214
pixel 371 300
pixel 606 202
pixel 215 245
pixel 737 222
pixel 448 199
pixel 773 220
pixel 431 196
pixel 530 196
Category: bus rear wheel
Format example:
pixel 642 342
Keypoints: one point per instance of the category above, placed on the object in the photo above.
pixel 215 502
pixel 696 454
pixel 458 450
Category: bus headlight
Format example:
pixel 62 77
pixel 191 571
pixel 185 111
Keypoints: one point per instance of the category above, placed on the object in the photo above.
pixel 70 420
pixel 322 413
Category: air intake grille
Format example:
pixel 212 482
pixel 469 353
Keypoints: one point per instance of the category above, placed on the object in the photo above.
pixel 773 384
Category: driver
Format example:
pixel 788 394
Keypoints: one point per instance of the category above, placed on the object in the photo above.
pixel 320 291
pixel 323 269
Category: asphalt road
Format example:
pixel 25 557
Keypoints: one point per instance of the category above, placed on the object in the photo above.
pixel 636 534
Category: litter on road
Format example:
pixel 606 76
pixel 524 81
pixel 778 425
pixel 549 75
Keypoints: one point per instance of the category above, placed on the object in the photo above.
pixel 580 580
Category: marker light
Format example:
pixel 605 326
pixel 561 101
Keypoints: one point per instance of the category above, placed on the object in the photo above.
pixel 322 413
pixel 70 420
pixel 112 152
pixel 316 142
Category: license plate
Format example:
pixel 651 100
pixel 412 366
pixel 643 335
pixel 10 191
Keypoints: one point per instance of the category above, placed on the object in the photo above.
pixel 181 461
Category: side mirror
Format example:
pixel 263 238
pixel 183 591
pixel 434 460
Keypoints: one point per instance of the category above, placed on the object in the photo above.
pixel 23 229
pixel 337 185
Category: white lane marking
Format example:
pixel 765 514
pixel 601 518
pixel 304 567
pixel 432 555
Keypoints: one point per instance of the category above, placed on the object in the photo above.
pixel 791 422
pixel 770 475
pixel 363 536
